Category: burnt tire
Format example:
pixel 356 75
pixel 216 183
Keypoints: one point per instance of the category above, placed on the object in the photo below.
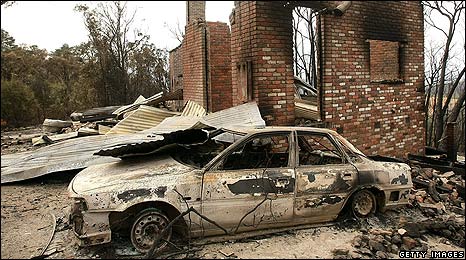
pixel 363 204
pixel 148 225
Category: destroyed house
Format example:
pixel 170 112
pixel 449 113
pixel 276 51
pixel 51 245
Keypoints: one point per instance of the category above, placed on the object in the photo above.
pixel 370 68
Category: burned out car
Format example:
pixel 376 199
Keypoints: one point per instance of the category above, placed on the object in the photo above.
pixel 247 180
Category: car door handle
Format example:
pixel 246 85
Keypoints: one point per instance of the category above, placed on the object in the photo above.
pixel 347 176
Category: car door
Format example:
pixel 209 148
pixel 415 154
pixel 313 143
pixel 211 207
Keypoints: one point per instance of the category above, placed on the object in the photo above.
pixel 324 177
pixel 252 185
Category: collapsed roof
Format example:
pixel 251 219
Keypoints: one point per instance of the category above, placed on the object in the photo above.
pixel 79 153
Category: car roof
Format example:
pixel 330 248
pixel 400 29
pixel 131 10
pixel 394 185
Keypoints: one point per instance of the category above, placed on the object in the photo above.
pixel 282 128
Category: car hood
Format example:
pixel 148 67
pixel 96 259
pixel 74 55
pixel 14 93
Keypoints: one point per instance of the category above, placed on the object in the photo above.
pixel 142 173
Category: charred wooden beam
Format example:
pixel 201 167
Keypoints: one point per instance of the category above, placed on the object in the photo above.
pixel 426 183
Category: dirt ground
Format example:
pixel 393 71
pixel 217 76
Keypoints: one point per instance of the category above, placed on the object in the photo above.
pixel 29 209
pixel 19 140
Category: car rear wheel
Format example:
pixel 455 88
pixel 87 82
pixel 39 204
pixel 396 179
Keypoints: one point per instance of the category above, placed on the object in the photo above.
pixel 363 204
pixel 148 225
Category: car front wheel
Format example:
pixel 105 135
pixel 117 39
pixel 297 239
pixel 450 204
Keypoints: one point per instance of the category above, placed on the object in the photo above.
pixel 363 204
pixel 147 226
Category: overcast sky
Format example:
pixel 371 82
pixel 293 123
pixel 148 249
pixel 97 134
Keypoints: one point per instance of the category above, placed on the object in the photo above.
pixel 50 24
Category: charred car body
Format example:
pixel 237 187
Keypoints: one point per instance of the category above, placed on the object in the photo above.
pixel 267 178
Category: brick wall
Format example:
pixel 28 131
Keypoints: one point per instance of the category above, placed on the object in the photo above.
pixel 373 96
pixel 262 35
pixel 384 61
pixel 379 118
pixel 206 63
pixel 176 69
pixel 219 66
pixel 194 63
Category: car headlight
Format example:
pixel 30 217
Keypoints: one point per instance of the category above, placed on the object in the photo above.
pixel 78 206
pixel 76 214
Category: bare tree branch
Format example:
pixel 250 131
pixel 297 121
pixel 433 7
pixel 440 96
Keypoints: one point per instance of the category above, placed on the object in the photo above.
pixel 457 108
pixel 304 44
pixel 451 14
pixel 176 32
pixel 453 88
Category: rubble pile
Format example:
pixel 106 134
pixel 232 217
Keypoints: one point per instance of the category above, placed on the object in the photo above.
pixel 94 121
pixel 74 144
pixel 409 235
pixel 436 193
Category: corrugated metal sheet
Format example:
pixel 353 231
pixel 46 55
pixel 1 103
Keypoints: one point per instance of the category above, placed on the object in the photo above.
pixel 186 137
pixel 143 118
pixel 193 109
pixel 175 123
pixel 72 154
pixel 10 159
pixel 242 116
pixel 153 100
pixel 139 100
pixel 100 111
pixel 78 153
pixel 54 138
pixel 137 103
pixel 306 109
pixel 94 114
pixel 103 129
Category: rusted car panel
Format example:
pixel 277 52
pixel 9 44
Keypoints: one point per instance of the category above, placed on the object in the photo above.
pixel 272 177
pixel 274 188
pixel 322 188
pixel 394 179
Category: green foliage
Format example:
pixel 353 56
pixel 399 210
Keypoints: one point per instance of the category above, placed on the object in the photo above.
pixel 8 42
pixel 128 68
pixel 24 67
pixel 63 67
pixel 149 71
pixel 18 104
pixel 109 69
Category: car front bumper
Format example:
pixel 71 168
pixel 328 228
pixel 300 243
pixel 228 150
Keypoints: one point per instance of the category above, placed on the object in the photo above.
pixel 91 228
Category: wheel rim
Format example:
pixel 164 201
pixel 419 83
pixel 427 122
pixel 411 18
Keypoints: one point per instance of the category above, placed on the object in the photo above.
pixel 146 228
pixel 363 204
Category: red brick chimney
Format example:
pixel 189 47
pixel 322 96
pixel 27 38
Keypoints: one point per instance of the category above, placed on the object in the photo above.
pixel 195 10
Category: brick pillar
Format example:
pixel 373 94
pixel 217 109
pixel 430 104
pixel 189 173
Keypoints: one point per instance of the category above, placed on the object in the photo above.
pixel 195 10
pixel 176 69
pixel 219 69
pixel 206 60
pixel 262 42
pixel 194 63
